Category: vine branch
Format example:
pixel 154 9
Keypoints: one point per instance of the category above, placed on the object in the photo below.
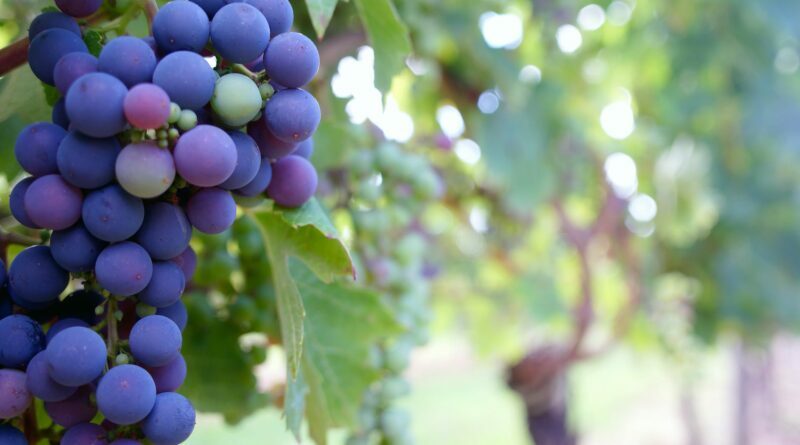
pixel 13 56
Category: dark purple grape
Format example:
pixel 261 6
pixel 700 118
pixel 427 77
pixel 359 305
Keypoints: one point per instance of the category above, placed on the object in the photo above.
pixel 85 434
pixel 171 421
pixel 187 261
pixel 210 6
pixel 74 410
pixel 211 210
pixel 75 249
pixel 48 48
pixel 95 105
pixel 248 160
pixel 59 115
pixel 145 170
pixel 305 149
pixel 292 59
pixel 11 436
pixel 169 377
pixel 294 181
pixel 63 324
pixel 16 201
pixel 151 43
pixel 129 59
pixel 53 203
pixel 177 313
pixel 271 147
pixel 50 20
pixel 72 66
pixel 292 115
pixel 14 395
pixel 79 8
pixel 124 269
pixel 166 286
pixel 111 214
pixel 41 385
pixel 187 78
pixel 35 276
pixel 165 232
pixel 126 394
pixel 76 356
pixel 155 340
pixel 205 156
pixel 181 26
pixel 279 14
pixel 239 32
pixel 87 162
pixel 147 106
pixel 21 339
pixel 37 146
pixel 260 183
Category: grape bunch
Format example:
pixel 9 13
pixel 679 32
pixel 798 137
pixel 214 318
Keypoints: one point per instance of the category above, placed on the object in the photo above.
pixel 151 139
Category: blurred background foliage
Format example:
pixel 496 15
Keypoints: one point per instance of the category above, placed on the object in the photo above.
pixel 609 203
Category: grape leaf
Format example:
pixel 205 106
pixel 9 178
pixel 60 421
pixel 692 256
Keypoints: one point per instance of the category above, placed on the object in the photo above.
pixel 94 41
pixel 22 96
pixel 305 233
pixel 321 12
pixel 388 36
pixel 343 322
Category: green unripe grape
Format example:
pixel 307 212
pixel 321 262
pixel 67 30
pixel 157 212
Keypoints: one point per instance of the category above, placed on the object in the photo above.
pixel 392 388
pixel 266 90
pixel 398 355
pixel 388 156
pixel 163 143
pixel 162 134
pixel 395 421
pixel 173 134
pixel 426 186
pixel 151 133
pixel 122 359
pixel 362 162
pixel 236 100
pixel 367 419
pixel 368 191
pixel 187 120
pixel 174 113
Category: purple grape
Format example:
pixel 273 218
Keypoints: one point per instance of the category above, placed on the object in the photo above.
pixel 14 395
pixel 271 147
pixel 155 340
pixel 6 307
pixel 126 442
pixel 294 181
pixel 248 160
pixel 75 410
pixel 177 313
pixel 145 170
pixel 124 269
pixel 126 394
pixel 165 287
pixel 21 339
pixel 59 114
pixel 53 203
pixel 95 105
pixel 165 232
pixel 205 156
pixel 85 434
pixel 181 26
pixel 111 214
pixel 292 115
pixel 305 149
pixel 50 20
pixel 41 385
pixel 129 59
pixel 60 325
pixel 75 249
pixel 79 8
pixel 260 183
pixel 187 261
pixel 12 436
pixel 210 6
pixel 72 66
pixel 186 77
pixel 169 377
pixel 87 162
pixel 211 210
pixel 76 356
pixel 35 276
pixel 278 13
pixel 147 106
pixel 151 43
pixel 48 47
pixel 239 32
pixel 171 421
pixel 16 201
pixel 292 59
pixel 37 146
pixel 256 65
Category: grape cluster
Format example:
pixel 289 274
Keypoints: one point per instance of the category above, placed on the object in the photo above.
pixel 148 143
pixel 392 188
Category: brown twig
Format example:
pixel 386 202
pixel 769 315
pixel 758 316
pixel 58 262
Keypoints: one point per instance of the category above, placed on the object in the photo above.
pixel 13 56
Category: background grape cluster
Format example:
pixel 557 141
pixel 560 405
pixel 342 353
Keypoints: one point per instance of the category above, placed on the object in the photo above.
pixel 148 144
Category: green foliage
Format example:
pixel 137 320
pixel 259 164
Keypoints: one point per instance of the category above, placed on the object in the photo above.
pixel 388 35
pixel 320 12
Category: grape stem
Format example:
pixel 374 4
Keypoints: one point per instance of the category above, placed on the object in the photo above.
pixel 111 327
pixel 12 238
pixel 13 55
pixel 150 8
pixel 241 69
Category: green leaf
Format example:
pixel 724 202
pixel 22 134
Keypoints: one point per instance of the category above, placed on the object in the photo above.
pixel 389 38
pixel 307 234
pixel 94 41
pixel 51 94
pixel 22 96
pixel 343 322
pixel 321 12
